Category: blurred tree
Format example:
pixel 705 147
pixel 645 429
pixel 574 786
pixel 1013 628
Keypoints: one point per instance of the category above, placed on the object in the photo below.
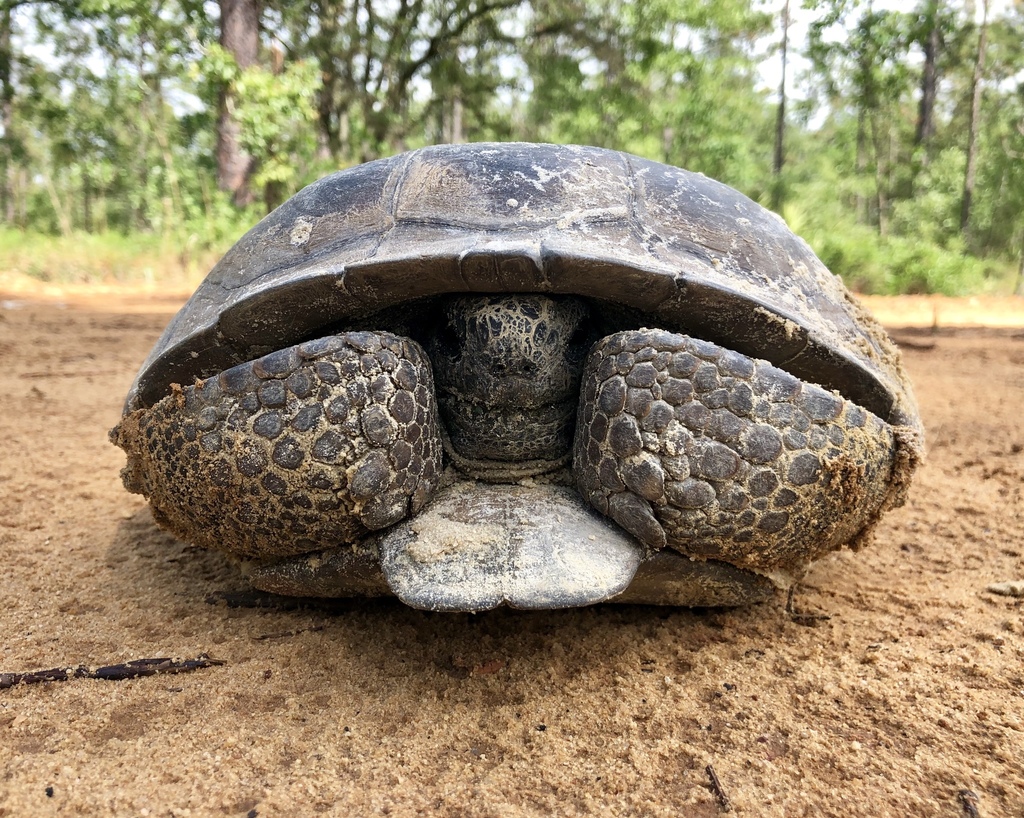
pixel 971 169
pixel 997 204
pixel 780 119
pixel 378 61
pixel 928 32
pixel 6 112
pixel 867 70
pixel 240 38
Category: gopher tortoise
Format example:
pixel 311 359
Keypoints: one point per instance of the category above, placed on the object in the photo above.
pixel 530 375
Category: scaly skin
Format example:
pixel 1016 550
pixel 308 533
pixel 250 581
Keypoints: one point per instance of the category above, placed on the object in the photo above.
pixel 508 372
pixel 720 456
pixel 297 451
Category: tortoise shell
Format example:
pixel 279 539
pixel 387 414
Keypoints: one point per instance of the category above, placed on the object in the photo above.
pixel 660 255
pixel 691 253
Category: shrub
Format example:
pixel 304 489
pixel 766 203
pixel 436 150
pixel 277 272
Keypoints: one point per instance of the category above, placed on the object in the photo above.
pixel 894 265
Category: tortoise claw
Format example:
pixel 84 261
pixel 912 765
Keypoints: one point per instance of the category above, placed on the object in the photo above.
pixel 669 578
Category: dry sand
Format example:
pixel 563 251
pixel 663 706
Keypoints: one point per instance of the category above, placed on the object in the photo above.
pixel 910 692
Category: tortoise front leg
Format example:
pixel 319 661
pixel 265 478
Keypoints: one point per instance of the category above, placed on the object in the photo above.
pixel 306 448
pixel 723 457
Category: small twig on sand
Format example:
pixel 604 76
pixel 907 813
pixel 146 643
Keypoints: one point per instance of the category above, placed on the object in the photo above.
pixel 85 373
pixel 252 599
pixel 969 803
pixel 716 787
pixel 110 673
pixel 798 616
pixel 906 343
pixel 1014 588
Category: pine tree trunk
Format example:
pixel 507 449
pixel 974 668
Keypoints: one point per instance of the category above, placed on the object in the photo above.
pixel 1019 289
pixel 7 209
pixel 239 34
pixel 970 174
pixel 929 82
pixel 862 166
pixel 881 190
pixel 457 134
pixel 329 116
pixel 780 120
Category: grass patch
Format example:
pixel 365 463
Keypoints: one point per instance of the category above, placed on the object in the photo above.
pixel 109 257
pixel 898 265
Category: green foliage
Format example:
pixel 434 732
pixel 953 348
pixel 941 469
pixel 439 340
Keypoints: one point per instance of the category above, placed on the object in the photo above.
pixel 873 265
pixel 924 254
pixel 999 203
pixel 394 75
pixel 933 214
pixel 110 110
pixel 277 115
pixel 275 111
pixel 663 79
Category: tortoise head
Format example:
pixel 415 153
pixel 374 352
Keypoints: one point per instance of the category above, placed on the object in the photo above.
pixel 508 370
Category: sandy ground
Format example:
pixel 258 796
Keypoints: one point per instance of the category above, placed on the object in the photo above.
pixel 910 692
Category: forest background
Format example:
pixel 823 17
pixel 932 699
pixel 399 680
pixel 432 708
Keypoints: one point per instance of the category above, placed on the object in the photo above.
pixel 140 138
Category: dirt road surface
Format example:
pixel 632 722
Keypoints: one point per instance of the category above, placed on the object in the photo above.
pixel 908 700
